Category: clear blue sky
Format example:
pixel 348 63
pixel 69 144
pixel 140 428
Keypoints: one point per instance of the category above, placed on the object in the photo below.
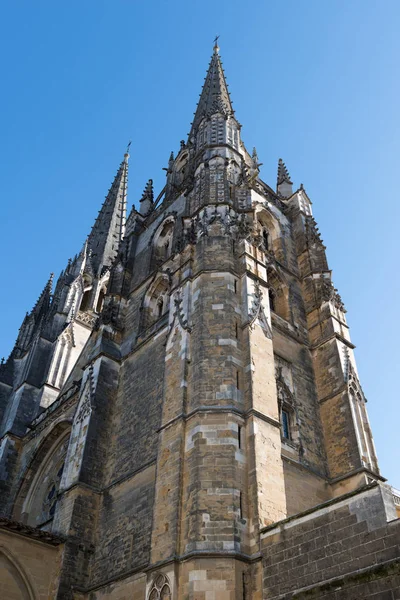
pixel 314 82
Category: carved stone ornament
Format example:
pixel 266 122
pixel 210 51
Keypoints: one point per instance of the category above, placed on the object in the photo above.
pixel 313 235
pixel 285 396
pixel 257 312
pixel 85 407
pixel 328 293
pixel 351 378
pixel 179 314
pixel 111 314
pixel 215 223
pixel 160 590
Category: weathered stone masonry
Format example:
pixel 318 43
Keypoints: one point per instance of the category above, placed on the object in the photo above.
pixel 182 417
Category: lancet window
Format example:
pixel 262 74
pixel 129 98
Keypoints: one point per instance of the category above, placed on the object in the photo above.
pixel 286 401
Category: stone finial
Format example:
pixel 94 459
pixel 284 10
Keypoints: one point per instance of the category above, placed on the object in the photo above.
pixel 284 183
pixel 147 199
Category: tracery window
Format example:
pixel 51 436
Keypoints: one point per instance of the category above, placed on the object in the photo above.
pixel 41 501
pixel 160 589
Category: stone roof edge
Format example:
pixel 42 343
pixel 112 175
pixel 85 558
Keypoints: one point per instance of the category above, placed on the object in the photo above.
pixel 31 532
pixel 318 507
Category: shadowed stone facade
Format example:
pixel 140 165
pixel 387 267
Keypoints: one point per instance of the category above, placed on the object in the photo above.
pixel 182 418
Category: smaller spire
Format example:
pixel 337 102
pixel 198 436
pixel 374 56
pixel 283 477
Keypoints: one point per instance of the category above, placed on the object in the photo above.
pixel 283 173
pixel 284 183
pixel 109 227
pixel 44 299
pixel 127 155
pixel 147 199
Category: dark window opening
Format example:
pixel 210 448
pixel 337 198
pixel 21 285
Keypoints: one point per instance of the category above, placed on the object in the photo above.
pixel 271 296
pixel 85 301
pixel 160 307
pixel 100 301
pixel 266 239
pixel 285 425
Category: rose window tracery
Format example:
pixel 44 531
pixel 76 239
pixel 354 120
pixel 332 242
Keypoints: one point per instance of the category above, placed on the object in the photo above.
pixel 160 589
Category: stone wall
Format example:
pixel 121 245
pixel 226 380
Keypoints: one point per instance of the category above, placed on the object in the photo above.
pixel 345 549
pixel 29 567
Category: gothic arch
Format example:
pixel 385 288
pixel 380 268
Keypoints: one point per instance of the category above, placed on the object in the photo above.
pixel 163 239
pixel 12 572
pixel 160 588
pixel 269 230
pixel 156 301
pixel 52 449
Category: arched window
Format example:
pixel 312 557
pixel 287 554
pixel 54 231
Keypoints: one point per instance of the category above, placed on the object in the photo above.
pixel 160 590
pixel 269 229
pixel 156 302
pixel 40 503
pixel 163 241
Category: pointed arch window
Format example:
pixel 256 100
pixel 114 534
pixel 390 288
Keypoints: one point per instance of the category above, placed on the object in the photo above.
pixel 41 500
pixel 156 302
pixel 163 241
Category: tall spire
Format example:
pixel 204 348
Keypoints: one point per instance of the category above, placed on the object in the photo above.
pixel 214 96
pixel 109 227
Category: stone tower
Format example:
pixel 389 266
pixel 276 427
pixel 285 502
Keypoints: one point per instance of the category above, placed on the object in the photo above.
pixel 182 418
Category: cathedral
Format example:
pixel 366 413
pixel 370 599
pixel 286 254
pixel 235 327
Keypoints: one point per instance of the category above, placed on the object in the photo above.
pixel 181 414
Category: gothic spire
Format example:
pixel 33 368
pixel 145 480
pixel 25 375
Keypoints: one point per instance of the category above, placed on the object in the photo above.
pixel 214 96
pixel 283 173
pixel 109 227
pixel 43 302
pixel 147 199
pixel 284 183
